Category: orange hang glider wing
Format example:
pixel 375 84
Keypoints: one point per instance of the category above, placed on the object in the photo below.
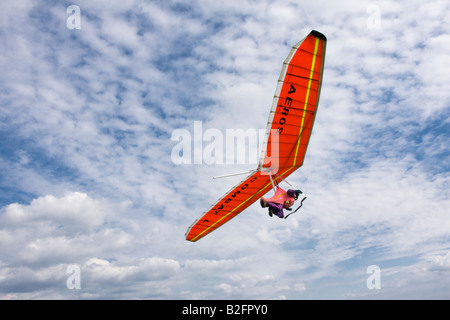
pixel 288 131
pixel 230 205
pixel 294 106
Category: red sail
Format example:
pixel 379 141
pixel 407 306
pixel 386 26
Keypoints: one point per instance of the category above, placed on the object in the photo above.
pixel 288 132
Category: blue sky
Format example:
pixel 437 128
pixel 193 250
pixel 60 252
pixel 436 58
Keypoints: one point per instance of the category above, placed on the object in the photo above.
pixel 87 179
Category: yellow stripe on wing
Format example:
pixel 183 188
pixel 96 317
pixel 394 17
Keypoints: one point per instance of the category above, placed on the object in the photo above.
pixel 316 48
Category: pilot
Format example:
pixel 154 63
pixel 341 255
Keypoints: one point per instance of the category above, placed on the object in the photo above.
pixel 281 200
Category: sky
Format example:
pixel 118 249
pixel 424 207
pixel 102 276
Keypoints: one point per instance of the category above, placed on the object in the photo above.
pixel 94 206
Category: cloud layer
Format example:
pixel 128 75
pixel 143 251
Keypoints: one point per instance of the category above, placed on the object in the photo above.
pixel 87 179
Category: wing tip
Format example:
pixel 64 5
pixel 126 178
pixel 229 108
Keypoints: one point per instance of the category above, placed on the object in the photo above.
pixel 190 238
pixel 319 35
pixel 194 237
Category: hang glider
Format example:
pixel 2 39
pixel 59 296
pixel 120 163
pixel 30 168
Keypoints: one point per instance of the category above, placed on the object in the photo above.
pixel 287 136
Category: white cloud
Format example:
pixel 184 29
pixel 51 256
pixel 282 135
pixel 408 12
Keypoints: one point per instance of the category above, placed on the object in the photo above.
pixel 148 269
pixel 441 262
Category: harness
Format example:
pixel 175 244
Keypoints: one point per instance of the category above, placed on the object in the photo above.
pixel 280 193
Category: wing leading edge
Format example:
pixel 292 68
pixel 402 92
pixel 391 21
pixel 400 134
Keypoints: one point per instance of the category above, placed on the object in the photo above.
pixel 288 132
